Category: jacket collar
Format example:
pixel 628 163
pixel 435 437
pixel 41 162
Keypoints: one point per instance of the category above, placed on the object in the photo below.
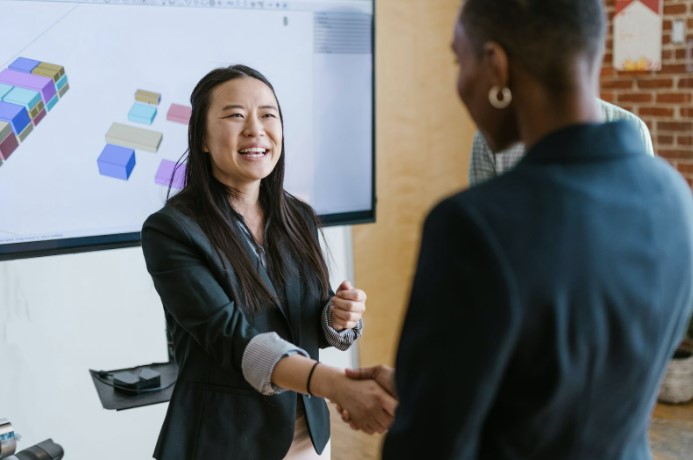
pixel 587 142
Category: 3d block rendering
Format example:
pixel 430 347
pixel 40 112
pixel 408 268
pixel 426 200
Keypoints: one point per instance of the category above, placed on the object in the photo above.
pixel 142 113
pixel 179 113
pixel 136 138
pixel 167 169
pixel 116 161
pixel 30 99
pixel 26 80
pixel 52 71
pixel 22 64
pixel 148 97
pixel 16 115
pixel 8 141
pixel 4 89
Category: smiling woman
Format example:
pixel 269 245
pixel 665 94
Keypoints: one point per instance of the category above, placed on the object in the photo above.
pixel 244 134
pixel 244 285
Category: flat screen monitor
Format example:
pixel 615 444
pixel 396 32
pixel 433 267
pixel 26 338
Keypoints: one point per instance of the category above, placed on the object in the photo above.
pixel 95 102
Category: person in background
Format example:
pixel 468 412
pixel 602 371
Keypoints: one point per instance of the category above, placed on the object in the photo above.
pixel 238 266
pixel 548 300
pixel 485 164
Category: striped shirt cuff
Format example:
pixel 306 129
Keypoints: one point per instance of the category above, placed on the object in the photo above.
pixel 259 358
pixel 341 340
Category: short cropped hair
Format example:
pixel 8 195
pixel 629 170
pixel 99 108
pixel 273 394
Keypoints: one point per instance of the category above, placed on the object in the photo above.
pixel 539 35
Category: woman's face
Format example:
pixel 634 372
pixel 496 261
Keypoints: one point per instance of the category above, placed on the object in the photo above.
pixel 476 75
pixel 244 132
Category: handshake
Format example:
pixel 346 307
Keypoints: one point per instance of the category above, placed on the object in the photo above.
pixel 366 398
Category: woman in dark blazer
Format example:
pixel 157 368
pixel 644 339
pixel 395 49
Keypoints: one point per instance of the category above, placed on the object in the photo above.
pixel 245 289
pixel 547 301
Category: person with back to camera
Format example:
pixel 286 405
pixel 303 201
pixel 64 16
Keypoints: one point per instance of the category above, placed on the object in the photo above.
pixel 245 289
pixel 484 163
pixel 547 301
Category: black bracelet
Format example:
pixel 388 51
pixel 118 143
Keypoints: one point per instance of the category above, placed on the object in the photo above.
pixel 310 376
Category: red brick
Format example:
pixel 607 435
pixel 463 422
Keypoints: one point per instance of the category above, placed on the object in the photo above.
pixel 664 112
pixel 686 126
pixel 608 97
pixel 673 98
pixel 665 140
pixel 685 168
pixel 680 54
pixel 667 24
pixel 684 140
pixel 666 39
pixel 676 154
pixel 636 73
pixel 607 71
pixel 686 82
pixel 673 68
pixel 656 83
pixel 679 8
pixel 634 97
pixel 617 84
pixel 686 112
pixel 667 55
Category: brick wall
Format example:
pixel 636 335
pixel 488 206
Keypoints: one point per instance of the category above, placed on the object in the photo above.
pixel 663 99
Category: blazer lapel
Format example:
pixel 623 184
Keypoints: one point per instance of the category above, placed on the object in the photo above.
pixel 292 290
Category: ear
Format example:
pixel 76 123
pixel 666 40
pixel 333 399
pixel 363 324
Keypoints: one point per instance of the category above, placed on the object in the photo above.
pixel 497 64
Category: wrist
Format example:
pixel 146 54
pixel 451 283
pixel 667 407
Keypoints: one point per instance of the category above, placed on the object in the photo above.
pixel 324 381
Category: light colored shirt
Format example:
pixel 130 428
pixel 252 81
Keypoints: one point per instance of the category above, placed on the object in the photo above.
pixel 485 164
pixel 264 351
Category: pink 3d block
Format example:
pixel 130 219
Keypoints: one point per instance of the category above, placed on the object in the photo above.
pixel 29 81
pixel 179 113
pixel 166 170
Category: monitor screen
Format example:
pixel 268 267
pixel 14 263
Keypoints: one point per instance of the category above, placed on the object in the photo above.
pixel 95 101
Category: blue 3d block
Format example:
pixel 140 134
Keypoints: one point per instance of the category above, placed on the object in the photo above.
pixel 116 161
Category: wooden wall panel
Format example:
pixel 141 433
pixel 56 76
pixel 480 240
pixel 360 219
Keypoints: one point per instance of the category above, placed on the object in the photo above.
pixel 423 139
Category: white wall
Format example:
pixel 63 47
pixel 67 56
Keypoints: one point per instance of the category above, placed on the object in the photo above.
pixel 63 315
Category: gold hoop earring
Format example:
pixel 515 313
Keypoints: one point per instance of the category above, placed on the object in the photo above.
pixel 507 97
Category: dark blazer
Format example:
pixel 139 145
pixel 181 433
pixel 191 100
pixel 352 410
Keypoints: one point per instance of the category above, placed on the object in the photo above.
pixel 545 306
pixel 214 413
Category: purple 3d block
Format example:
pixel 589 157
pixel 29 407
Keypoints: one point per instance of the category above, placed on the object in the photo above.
pixel 24 65
pixel 165 171
pixel 116 161
pixel 26 80
pixel 8 145
pixel 16 115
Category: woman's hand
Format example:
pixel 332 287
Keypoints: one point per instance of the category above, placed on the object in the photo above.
pixel 348 305
pixel 370 408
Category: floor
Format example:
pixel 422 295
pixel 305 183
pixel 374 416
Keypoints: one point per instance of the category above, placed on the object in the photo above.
pixel 671 432
pixel 671 436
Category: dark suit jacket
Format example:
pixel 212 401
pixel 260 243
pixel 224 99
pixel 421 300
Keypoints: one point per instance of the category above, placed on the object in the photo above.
pixel 545 306
pixel 214 414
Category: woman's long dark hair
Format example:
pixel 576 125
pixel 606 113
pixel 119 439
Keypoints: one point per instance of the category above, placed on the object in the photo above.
pixel 289 223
